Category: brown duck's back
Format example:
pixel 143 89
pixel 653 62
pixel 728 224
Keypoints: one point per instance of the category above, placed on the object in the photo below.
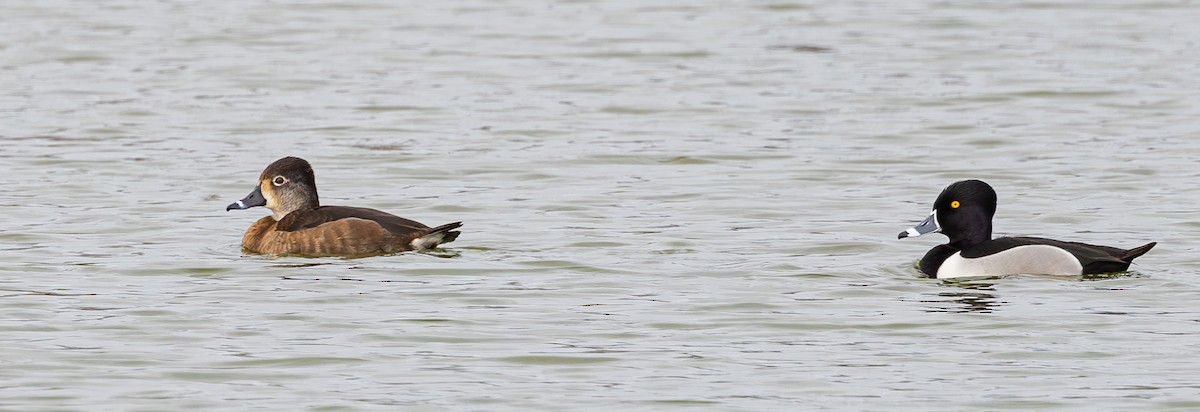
pixel 307 219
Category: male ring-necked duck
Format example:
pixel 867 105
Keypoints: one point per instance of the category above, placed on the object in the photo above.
pixel 299 225
pixel 963 212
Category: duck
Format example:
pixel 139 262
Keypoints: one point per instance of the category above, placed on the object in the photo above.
pixel 963 212
pixel 299 225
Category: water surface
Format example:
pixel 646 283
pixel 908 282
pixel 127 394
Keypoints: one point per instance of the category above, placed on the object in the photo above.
pixel 667 206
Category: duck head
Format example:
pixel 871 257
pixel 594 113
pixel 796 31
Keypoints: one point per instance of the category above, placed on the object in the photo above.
pixel 963 212
pixel 283 187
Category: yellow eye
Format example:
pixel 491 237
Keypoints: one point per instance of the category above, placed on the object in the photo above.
pixel 954 204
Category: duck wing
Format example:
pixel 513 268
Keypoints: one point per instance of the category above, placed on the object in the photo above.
pixel 306 219
pixel 1093 258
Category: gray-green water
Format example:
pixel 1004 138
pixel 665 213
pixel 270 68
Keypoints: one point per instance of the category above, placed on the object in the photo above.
pixel 668 205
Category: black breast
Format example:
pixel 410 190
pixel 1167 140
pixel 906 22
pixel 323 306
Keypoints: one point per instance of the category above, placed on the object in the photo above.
pixel 934 258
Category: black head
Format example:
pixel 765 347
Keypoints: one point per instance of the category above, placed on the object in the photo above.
pixel 963 212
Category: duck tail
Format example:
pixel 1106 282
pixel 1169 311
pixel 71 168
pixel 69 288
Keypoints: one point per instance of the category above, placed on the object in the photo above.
pixel 1132 254
pixel 448 235
pixel 436 236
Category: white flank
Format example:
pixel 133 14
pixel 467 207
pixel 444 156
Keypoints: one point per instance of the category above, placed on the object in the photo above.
pixel 1020 260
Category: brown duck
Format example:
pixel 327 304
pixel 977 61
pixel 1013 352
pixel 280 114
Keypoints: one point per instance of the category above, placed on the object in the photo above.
pixel 299 225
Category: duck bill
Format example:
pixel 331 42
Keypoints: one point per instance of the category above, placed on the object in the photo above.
pixel 255 198
pixel 929 225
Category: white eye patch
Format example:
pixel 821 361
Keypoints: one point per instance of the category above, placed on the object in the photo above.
pixel 279 181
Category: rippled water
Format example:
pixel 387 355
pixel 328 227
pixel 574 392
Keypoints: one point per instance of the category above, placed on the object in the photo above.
pixel 667 205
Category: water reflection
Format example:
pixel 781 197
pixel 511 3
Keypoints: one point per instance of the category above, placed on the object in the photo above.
pixel 19 292
pixel 1110 276
pixel 972 298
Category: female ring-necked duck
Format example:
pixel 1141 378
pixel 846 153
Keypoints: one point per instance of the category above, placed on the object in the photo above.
pixel 299 225
pixel 963 212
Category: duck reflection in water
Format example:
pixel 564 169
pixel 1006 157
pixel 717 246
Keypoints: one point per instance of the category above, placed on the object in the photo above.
pixel 972 298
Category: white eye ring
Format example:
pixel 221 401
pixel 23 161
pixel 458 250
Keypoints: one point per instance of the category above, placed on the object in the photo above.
pixel 279 181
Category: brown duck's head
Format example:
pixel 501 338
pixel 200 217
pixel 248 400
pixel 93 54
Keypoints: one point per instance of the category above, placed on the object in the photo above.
pixel 285 186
